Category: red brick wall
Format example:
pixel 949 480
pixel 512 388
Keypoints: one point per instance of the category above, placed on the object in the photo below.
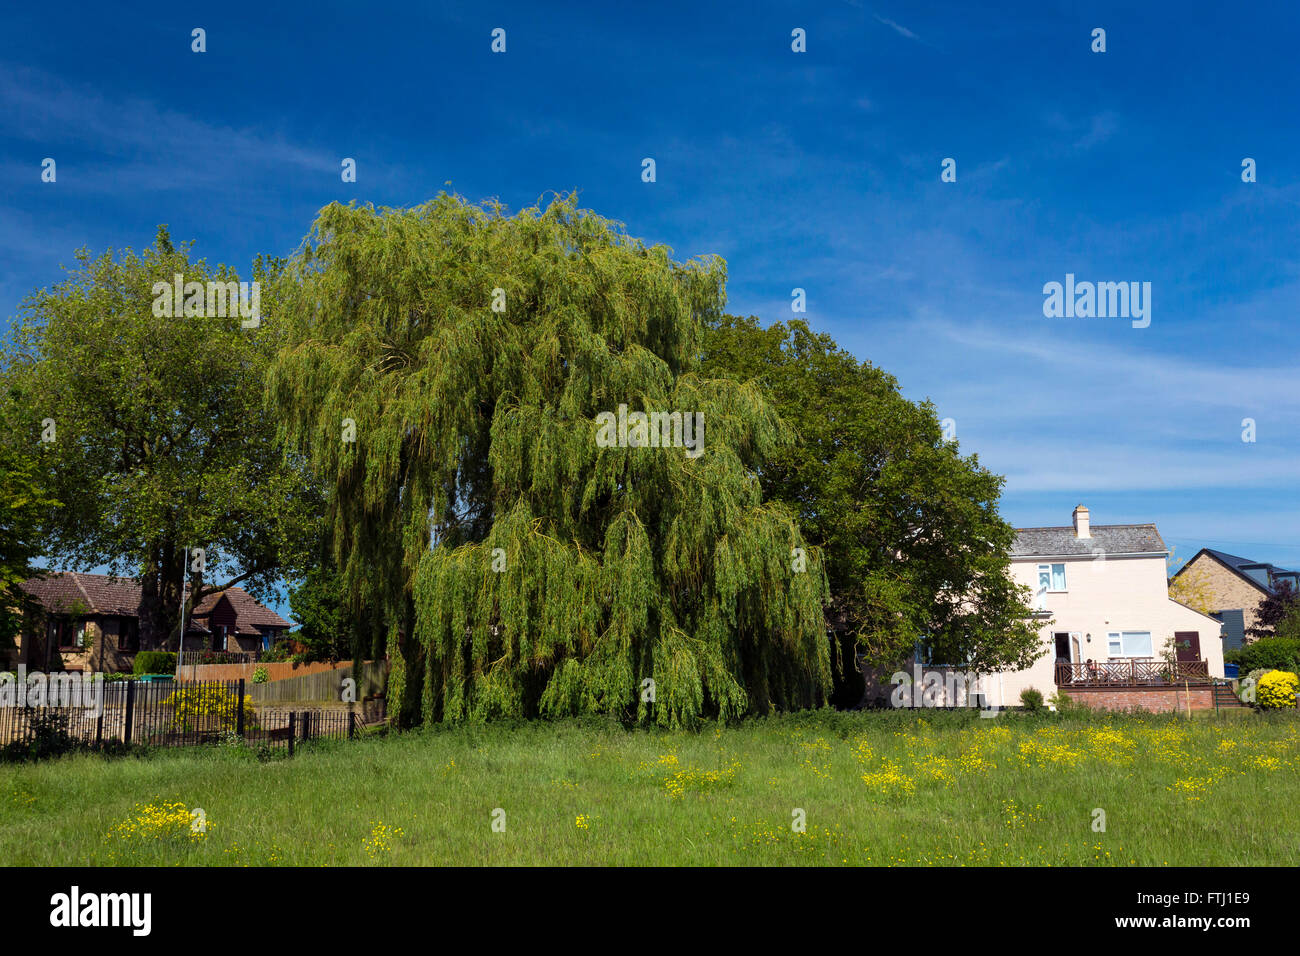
pixel 1156 699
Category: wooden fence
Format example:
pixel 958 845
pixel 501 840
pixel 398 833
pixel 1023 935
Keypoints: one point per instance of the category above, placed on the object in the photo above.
pixel 371 681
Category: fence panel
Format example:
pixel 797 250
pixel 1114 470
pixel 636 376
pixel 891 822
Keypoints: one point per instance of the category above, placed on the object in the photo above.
pixel 170 714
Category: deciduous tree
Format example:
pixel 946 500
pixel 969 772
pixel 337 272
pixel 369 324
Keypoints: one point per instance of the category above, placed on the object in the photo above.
pixel 528 569
pixel 157 437
pixel 915 550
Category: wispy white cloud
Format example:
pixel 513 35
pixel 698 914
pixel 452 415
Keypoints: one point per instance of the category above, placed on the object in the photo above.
pixel 897 27
pixel 141 142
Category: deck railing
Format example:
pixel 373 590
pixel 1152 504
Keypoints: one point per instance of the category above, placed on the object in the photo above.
pixel 1131 672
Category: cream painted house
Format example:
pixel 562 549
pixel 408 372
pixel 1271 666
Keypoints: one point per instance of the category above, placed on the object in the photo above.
pixel 1101 593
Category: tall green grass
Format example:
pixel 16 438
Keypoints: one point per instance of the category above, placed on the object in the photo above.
pixel 893 788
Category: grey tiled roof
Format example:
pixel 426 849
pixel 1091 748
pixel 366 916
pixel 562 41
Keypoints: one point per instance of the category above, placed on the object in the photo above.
pixel 1110 538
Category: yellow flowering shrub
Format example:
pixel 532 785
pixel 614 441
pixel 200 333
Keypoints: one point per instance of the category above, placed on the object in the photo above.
pixel 1277 689
pixel 207 707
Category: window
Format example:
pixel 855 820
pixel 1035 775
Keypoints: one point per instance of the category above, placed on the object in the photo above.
pixel 1051 577
pixel 128 634
pixel 71 633
pixel 1129 643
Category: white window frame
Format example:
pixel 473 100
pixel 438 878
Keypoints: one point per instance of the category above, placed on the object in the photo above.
pixel 1048 568
pixel 1118 636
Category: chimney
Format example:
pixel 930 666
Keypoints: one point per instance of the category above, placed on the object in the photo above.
pixel 1081 522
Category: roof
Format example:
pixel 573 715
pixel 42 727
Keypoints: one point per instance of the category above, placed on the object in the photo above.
pixel 1108 538
pixel 97 593
pixel 104 594
pixel 1261 574
pixel 249 613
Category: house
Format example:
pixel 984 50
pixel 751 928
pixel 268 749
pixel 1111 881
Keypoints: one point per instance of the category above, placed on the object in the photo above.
pixel 1113 636
pixel 1234 587
pixel 92 622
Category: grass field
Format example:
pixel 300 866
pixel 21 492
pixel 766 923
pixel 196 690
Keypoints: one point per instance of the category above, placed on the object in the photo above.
pixel 873 788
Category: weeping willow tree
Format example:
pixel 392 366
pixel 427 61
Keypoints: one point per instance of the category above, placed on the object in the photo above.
pixel 452 371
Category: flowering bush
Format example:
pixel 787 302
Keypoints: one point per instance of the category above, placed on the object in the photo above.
pixel 208 707
pixel 1277 689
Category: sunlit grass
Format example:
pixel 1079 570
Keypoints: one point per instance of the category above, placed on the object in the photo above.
pixel 842 789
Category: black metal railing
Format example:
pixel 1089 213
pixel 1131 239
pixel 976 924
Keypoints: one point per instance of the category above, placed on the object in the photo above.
pixel 166 713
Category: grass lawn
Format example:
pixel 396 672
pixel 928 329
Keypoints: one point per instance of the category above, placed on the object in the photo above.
pixel 894 788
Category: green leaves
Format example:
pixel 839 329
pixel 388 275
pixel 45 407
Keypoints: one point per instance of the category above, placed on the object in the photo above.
pixel 162 440
pixel 476 446
pixel 915 548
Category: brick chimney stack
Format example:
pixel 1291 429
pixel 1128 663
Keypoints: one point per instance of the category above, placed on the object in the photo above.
pixel 1081 522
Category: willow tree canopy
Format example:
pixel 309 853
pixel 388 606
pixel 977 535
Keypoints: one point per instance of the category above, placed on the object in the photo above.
pixel 450 370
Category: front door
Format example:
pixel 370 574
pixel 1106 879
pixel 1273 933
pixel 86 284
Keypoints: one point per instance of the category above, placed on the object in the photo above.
pixel 1062 648
pixel 1187 645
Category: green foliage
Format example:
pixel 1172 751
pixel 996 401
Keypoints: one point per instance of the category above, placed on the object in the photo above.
pixel 154 662
pixel 328 631
pixel 24 505
pixel 260 675
pixel 1068 706
pixel 162 441
pixel 280 651
pixel 1273 653
pixel 1277 689
pixel 1288 626
pixel 1031 700
pixel 1281 604
pixel 475 431
pixel 915 549
pixel 46 736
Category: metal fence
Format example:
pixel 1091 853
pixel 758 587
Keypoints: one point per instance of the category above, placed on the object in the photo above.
pixel 170 714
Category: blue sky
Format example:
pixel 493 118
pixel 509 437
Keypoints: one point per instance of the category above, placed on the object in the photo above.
pixel 818 170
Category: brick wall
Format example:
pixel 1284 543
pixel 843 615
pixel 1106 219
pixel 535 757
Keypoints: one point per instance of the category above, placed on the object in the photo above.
pixel 1156 699
pixel 1225 588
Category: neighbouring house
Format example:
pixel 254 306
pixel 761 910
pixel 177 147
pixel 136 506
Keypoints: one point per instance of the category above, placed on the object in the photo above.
pixel 1234 587
pixel 92 622
pixel 1113 636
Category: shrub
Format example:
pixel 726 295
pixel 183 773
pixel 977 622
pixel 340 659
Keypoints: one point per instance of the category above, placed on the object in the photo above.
pixel 281 651
pixel 260 676
pixel 47 736
pixel 1065 704
pixel 1031 700
pixel 154 662
pixel 207 707
pixel 1268 653
pixel 1277 689
pixel 1248 686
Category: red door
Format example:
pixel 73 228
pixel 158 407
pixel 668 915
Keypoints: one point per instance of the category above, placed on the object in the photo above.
pixel 1187 645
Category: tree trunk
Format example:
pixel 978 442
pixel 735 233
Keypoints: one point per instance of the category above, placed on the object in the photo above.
pixel 149 636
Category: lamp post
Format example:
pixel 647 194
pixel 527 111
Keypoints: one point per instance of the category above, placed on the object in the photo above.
pixel 180 643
